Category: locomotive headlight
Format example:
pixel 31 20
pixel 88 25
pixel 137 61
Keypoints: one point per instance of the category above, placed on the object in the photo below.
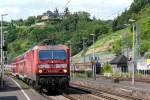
pixel 40 71
pixel 65 70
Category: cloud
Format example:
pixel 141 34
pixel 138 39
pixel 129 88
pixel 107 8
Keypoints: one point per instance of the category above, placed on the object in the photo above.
pixel 104 9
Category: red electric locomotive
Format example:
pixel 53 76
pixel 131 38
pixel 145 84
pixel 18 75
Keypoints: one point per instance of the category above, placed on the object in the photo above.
pixel 44 66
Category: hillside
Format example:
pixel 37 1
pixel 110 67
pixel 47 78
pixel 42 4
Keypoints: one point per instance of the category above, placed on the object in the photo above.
pixel 144 25
pixel 139 11
pixel 115 41
pixel 105 43
pixel 108 44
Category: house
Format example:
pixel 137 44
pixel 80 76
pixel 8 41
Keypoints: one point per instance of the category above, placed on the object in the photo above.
pixel 48 14
pixel 119 64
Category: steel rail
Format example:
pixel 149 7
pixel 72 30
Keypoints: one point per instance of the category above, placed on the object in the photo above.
pixel 100 92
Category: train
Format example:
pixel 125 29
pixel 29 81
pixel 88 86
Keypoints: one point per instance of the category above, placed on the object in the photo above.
pixel 44 67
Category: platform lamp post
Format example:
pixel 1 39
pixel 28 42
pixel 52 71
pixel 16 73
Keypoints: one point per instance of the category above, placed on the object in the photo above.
pixel 1 47
pixel 93 65
pixel 133 47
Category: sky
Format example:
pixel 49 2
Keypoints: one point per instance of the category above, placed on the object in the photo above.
pixel 101 9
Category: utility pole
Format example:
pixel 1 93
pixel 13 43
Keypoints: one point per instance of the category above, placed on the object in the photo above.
pixel 2 53
pixel 133 47
pixel 94 69
pixel 84 50
pixel 133 56
pixel 69 42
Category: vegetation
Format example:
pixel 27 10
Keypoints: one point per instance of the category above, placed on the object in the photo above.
pixel 140 11
pixel 77 27
pixel 148 56
pixel 106 68
pixel 135 8
pixel 121 37
pixel 22 34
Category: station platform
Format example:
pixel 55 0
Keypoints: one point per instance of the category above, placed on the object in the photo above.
pixel 139 89
pixel 10 91
pixel 14 90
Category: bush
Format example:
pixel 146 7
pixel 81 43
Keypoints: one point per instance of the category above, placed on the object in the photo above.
pixel 106 68
pixel 117 47
pixel 89 73
pixel 148 56
pixel 144 47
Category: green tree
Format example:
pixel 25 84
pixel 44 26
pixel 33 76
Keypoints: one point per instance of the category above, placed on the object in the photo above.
pixel 56 13
pixel 117 47
pixel 31 20
pixel 66 12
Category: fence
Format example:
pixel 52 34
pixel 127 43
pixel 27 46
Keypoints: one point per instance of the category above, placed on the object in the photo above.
pixel 85 71
pixel 81 70
pixel 126 73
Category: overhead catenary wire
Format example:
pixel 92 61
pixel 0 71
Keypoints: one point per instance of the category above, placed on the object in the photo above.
pixel 67 3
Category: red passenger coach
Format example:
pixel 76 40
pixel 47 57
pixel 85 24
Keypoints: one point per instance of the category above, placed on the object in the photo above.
pixel 45 66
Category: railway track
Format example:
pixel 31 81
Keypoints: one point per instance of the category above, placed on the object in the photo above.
pixel 98 95
pixel 106 93
pixel 145 80
pixel 140 80
pixel 77 92
pixel 71 94
pixel 58 97
pixel 74 93
pixel 69 97
pixel 85 95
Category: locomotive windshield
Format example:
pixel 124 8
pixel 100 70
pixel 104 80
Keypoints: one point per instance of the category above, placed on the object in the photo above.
pixel 52 54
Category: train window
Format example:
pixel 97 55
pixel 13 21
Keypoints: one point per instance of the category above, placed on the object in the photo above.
pixel 45 54
pixel 52 54
pixel 59 54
